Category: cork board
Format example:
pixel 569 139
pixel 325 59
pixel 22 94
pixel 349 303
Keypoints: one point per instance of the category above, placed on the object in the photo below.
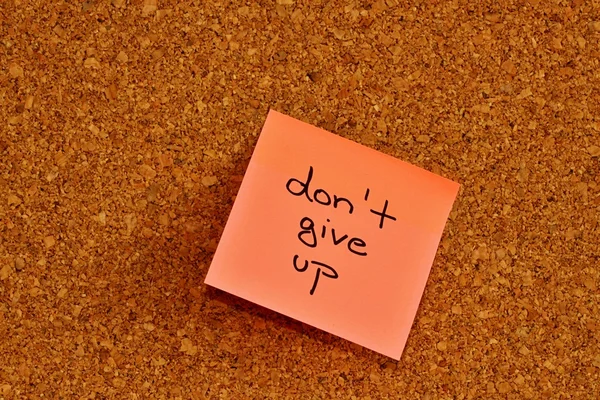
pixel 126 127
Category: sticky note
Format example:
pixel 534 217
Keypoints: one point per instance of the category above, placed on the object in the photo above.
pixel 334 234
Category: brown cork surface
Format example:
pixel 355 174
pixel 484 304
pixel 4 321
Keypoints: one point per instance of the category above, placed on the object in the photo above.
pixel 125 130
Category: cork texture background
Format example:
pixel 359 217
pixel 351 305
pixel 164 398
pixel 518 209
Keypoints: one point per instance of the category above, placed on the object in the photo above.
pixel 125 130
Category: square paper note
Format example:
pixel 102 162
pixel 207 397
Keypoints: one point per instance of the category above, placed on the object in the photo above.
pixel 333 234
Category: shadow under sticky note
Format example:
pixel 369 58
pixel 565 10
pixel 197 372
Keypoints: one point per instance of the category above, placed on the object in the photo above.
pixel 333 234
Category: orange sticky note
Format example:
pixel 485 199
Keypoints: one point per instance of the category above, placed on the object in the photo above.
pixel 333 234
